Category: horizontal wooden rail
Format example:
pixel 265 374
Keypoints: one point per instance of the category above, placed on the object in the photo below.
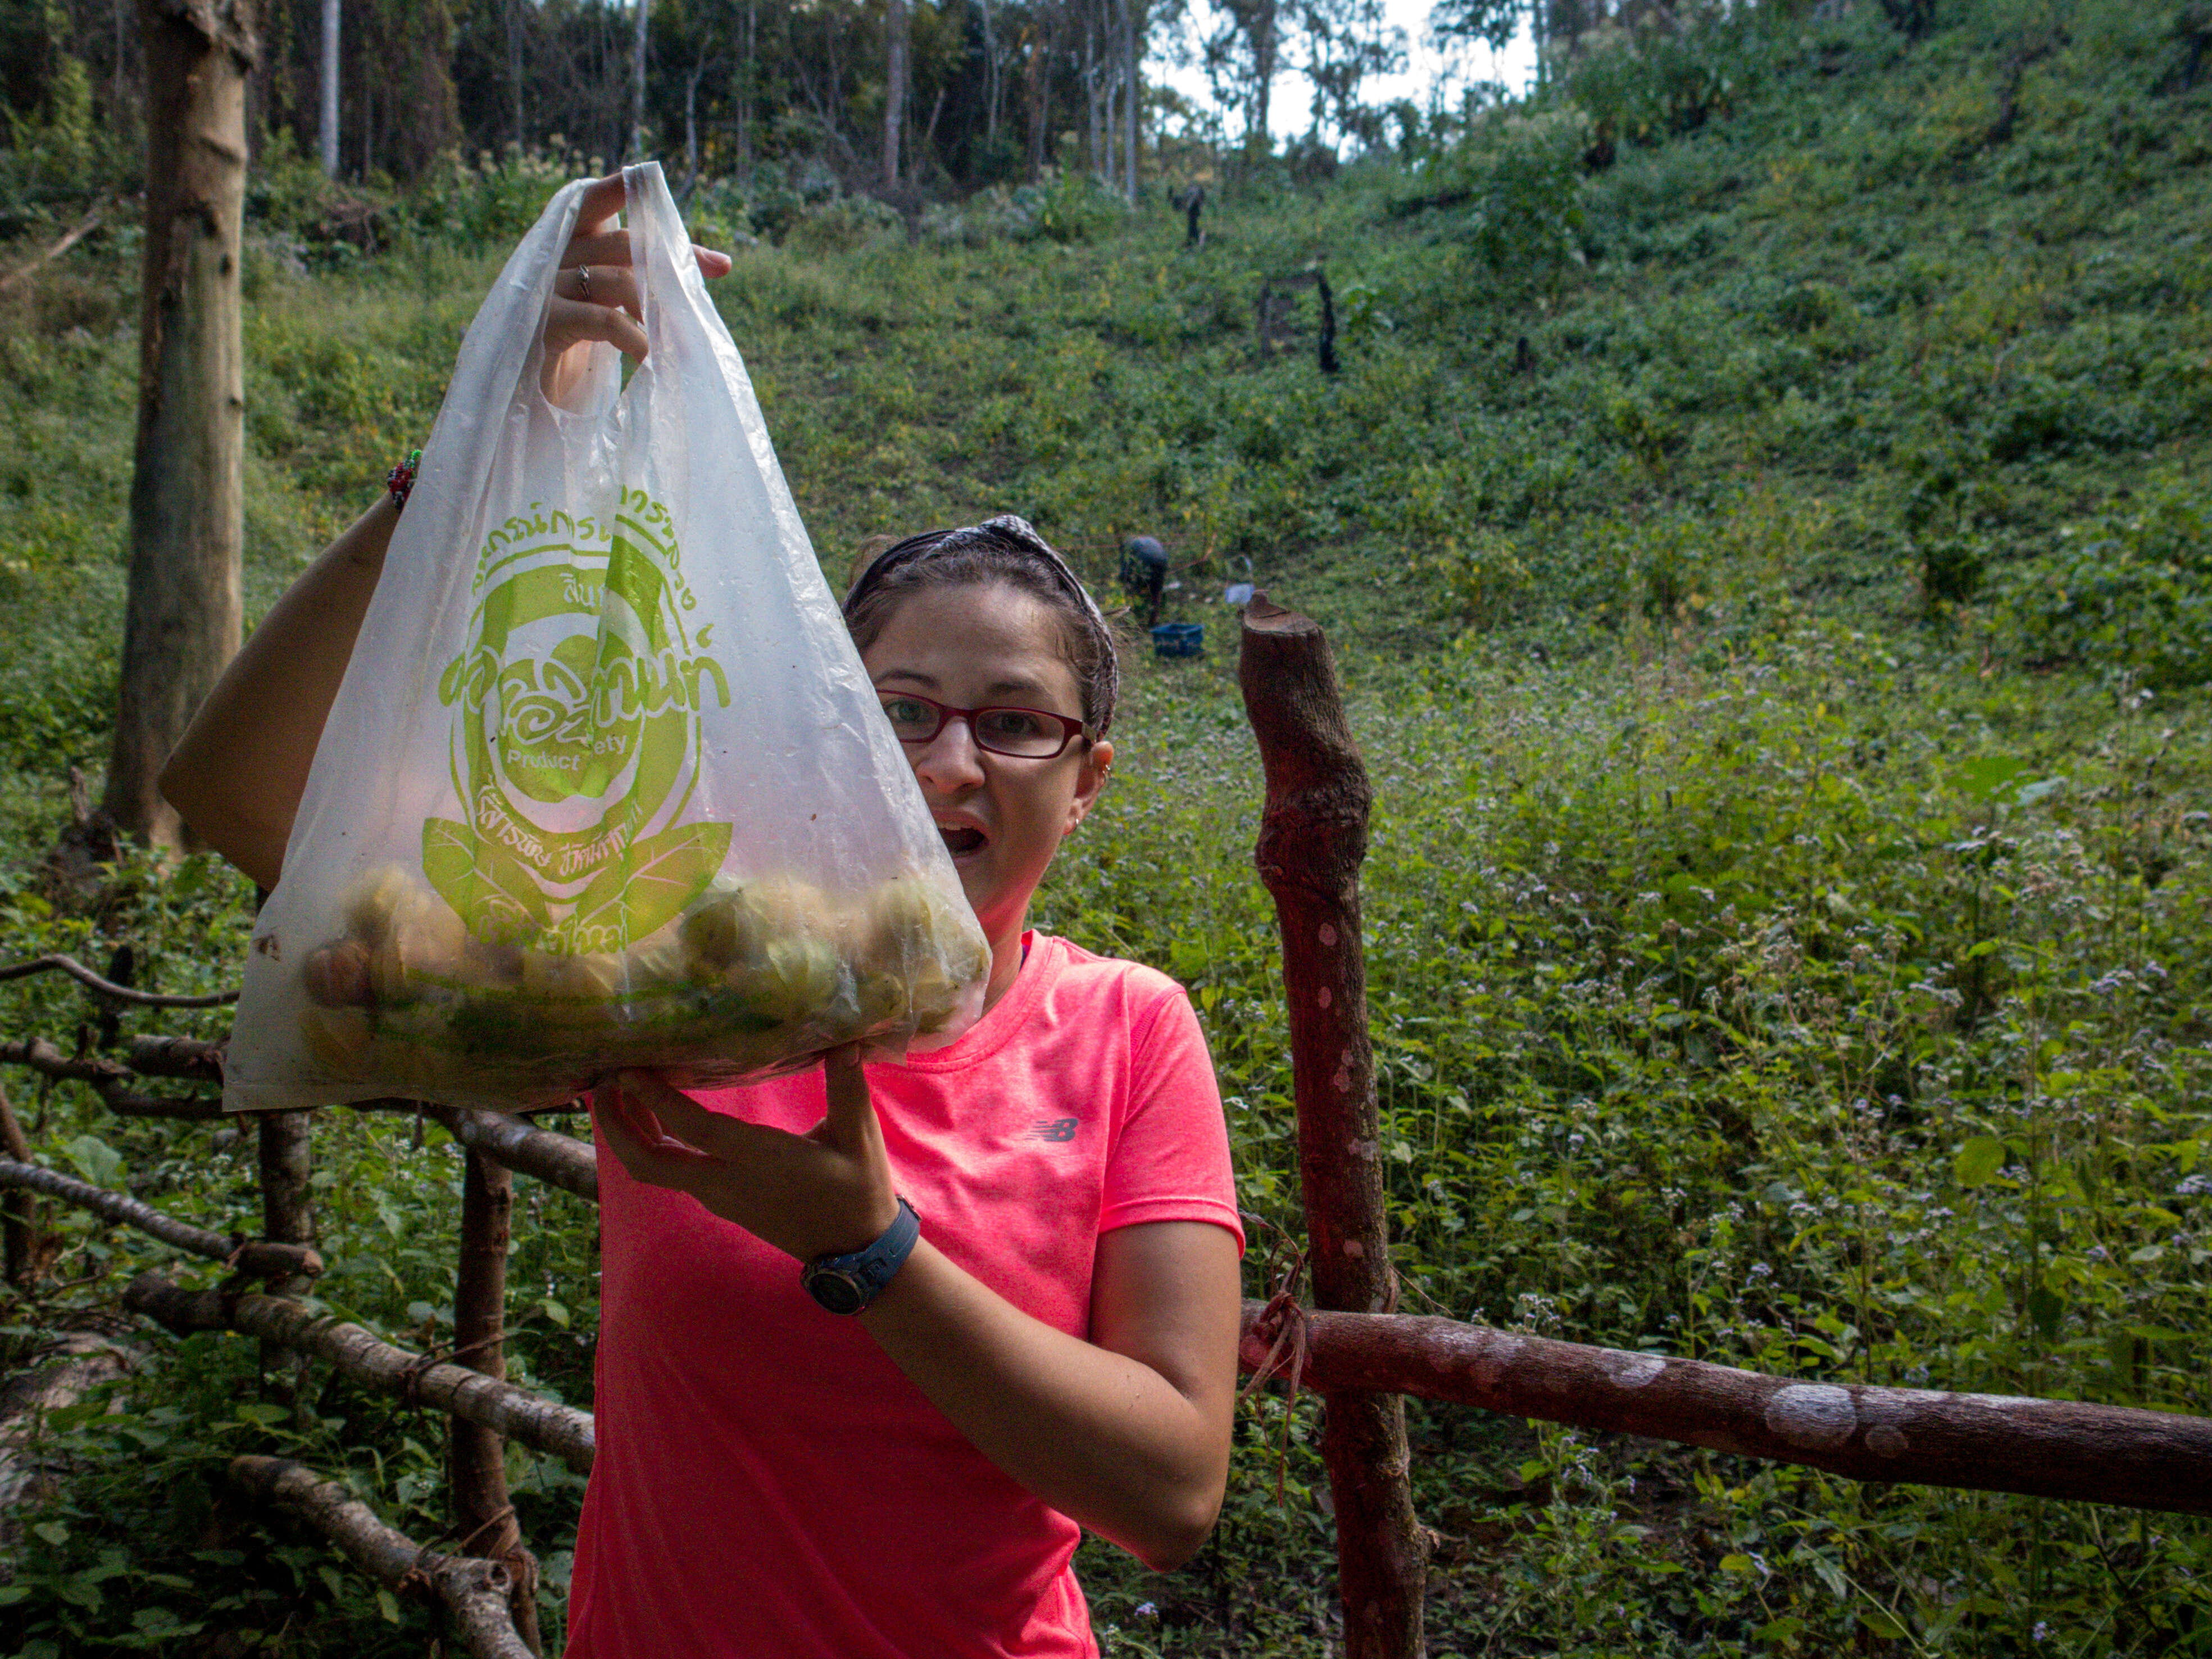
pixel 475 1592
pixel 562 1430
pixel 558 1160
pixel 1982 1443
pixel 92 982
pixel 251 1257
pixel 111 1079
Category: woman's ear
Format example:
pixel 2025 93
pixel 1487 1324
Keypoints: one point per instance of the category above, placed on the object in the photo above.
pixel 1098 762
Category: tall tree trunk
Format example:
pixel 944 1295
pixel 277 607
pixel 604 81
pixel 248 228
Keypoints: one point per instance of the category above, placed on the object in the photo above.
pixel 992 76
pixel 1134 95
pixel 514 28
pixel 1257 138
pixel 329 129
pixel 896 29
pixel 1039 87
pixel 183 619
pixel 637 148
pixel 745 97
pixel 1089 96
pixel 692 132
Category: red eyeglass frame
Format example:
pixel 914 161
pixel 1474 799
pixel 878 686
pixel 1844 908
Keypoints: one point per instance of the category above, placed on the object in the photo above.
pixel 1069 728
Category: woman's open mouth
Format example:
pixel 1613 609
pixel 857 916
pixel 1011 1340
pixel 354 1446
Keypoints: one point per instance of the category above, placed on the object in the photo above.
pixel 961 839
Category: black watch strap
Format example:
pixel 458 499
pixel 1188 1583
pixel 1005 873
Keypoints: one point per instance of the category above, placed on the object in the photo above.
pixel 847 1283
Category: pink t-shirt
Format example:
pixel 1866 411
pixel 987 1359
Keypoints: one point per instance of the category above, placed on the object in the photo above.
pixel 768 1485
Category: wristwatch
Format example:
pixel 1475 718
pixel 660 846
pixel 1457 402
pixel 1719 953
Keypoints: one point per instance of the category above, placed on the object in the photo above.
pixel 847 1283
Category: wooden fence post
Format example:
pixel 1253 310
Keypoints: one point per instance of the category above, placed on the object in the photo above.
pixel 1312 838
pixel 483 1516
pixel 284 1143
pixel 19 1211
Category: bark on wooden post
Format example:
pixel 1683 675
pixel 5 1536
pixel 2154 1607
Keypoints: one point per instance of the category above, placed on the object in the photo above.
pixel 483 1517
pixel 182 621
pixel 1312 838
pixel 287 1217
pixel 27 1254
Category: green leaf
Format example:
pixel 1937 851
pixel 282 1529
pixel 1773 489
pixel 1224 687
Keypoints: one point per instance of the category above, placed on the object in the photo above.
pixel 494 892
pixel 1977 1161
pixel 388 1605
pixel 1883 1623
pixel 95 1160
pixel 647 888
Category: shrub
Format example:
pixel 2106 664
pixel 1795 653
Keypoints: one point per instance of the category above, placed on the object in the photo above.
pixel 1519 177
pixel 2131 592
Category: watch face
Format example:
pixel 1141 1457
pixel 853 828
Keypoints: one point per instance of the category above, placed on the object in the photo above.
pixel 839 1293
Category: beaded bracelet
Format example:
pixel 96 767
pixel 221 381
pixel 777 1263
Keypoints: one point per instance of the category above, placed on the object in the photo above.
pixel 400 481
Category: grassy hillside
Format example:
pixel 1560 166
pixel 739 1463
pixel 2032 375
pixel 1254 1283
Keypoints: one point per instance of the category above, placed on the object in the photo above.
pixel 1761 514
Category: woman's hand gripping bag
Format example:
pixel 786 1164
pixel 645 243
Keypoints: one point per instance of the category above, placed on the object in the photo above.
pixel 605 784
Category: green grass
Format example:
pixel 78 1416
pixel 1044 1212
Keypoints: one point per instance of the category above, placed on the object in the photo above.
pixel 1783 689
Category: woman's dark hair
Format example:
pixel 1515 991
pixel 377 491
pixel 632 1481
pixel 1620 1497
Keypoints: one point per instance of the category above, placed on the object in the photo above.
pixel 1002 550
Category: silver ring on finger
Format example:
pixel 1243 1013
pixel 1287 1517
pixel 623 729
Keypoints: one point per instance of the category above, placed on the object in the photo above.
pixel 584 283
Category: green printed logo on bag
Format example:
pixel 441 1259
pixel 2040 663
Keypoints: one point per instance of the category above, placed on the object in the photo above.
pixel 576 737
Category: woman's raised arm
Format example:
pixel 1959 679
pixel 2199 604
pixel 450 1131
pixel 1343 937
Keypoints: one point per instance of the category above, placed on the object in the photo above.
pixel 238 776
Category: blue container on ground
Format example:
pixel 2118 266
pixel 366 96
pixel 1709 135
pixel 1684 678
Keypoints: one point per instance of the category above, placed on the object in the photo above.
pixel 1179 639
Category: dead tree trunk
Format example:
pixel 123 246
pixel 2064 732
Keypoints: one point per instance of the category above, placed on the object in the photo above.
pixel 1313 836
pixel 483 1517
pixel 637 146
pixel 182 621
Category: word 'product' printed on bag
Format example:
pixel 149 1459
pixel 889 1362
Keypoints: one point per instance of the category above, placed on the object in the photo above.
pixel 576 737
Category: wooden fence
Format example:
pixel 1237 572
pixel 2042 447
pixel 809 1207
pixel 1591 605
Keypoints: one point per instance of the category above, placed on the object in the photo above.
pixel 1351 1346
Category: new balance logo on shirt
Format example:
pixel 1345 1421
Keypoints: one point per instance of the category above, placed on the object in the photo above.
pixel 1053 1128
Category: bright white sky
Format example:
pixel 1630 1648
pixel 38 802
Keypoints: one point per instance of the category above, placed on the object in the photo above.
pixel 1290 110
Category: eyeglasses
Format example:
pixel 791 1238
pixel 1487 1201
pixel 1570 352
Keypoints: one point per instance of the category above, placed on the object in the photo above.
pixel 1027 733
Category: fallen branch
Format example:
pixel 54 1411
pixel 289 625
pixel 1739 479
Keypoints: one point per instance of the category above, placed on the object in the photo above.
pixel 561 1431
pixel 84 976
pixel 77 232
pixel 253 1258
pixel 558 1160
pixel 110 1079
pixel 474 1592
pixel 1980 1442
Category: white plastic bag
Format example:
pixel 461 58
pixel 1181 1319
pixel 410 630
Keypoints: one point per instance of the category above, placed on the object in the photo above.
pixel 606 783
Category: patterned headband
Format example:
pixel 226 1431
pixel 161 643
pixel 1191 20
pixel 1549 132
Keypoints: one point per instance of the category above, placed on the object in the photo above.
pixel 1004 534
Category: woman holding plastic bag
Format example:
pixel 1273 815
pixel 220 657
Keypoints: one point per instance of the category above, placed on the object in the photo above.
pixel 1052 1346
